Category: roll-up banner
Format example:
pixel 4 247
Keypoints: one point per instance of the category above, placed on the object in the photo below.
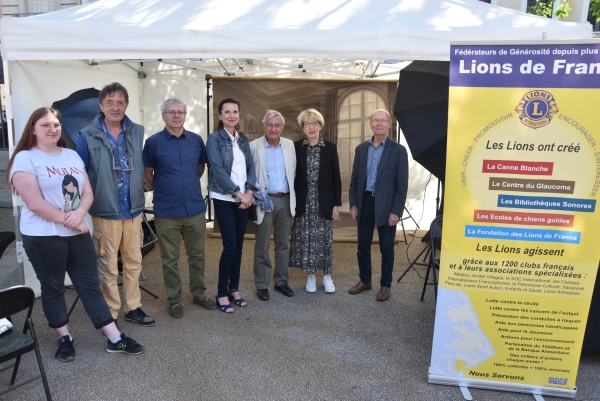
pixel 520 244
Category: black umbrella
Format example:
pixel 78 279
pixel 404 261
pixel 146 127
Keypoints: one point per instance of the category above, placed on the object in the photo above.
pixel 77 110
pixel 422 112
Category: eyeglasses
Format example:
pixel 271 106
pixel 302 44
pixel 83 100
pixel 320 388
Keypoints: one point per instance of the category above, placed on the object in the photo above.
pixel 48 126
pixel 313 124
pixel 274 125
pixel 172 113
pixel 377 121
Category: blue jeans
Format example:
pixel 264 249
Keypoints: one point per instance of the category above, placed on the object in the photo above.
pixel 387 234
pixel 52 257
pixel 232 222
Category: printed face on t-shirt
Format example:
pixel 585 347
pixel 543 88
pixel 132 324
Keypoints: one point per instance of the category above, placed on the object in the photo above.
pixel 70 190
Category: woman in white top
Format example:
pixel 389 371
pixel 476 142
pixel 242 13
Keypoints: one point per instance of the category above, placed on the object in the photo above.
pixel 56 233
pixel 231 180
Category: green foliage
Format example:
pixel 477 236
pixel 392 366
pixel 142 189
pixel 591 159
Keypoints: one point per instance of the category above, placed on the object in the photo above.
pixel 545 9
pixel 541 9
pixel 563 10
pixel 595 8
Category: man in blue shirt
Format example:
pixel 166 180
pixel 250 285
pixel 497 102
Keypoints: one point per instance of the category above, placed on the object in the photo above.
pixel 174 161
pixel 111 148
pixel 377 195
pixel 275 166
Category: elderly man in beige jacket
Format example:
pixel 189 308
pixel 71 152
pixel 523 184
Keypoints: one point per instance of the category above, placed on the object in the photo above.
pixel 275 165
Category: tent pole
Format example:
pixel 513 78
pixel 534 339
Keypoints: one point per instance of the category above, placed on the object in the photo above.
pixel 208 109
pixel 11 148
pixel 141 87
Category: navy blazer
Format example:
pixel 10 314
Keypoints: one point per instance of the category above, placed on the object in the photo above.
pixel 391 185
pixel 330 182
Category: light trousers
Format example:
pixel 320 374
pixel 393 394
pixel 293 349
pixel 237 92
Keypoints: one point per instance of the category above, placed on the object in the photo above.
pixel 110 236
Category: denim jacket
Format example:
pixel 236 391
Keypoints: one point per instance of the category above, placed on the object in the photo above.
pixel 220 160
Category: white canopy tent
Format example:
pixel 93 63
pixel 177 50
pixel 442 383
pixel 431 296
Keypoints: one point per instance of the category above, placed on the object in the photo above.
pixel 338 29
pixel 158 48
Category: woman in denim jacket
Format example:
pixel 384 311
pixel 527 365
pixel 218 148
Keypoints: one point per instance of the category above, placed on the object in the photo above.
pixel 231 181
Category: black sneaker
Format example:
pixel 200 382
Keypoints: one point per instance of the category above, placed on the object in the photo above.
pixel 138 316
pixel 66 351
pixel 126 345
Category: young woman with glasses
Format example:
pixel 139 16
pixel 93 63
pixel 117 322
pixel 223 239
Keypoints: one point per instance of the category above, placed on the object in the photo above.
pixel 56 237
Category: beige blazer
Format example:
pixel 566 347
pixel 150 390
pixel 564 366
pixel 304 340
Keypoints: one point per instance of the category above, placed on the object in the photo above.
pixel 257 147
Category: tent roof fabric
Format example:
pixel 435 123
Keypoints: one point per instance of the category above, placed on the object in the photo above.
pixel 330 29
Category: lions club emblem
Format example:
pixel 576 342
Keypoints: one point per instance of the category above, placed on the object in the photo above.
pixel 536 108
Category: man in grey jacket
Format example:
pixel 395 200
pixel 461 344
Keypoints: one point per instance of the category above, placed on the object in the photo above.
pixel 377 195
pixel 275 166
pixel 111 148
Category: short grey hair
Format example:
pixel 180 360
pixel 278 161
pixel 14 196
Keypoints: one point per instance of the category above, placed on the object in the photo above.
pixel 172 100
pixel 271 114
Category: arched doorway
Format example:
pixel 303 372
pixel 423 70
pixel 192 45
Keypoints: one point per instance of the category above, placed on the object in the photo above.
pixel 353 128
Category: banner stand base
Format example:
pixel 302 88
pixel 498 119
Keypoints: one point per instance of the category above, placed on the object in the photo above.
pixel 466 393
pixel 468 397
pixel 464 383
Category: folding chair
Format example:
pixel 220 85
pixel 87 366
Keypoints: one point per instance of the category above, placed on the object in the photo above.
pixel 14 343
pixel 435 235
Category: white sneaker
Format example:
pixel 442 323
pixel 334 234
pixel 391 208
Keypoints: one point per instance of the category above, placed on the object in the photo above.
pixel 328 284
pixel 311 283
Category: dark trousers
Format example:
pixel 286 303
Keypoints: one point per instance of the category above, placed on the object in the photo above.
pixel 387 234
pixel 232 223
pixel 52 257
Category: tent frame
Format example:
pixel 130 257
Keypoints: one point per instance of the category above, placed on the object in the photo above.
pixel 233 67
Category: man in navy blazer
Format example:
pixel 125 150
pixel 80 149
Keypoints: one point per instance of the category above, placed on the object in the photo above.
pixel 377 195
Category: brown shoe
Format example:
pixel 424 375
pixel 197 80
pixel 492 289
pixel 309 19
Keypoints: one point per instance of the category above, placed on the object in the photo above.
pixel 383 294
pixel 360 287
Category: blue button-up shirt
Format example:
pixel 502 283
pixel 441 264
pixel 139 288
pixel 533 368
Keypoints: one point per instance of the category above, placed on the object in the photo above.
pixel 122 165
pixel 276 177
pixel 373 159
pixel 175 160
